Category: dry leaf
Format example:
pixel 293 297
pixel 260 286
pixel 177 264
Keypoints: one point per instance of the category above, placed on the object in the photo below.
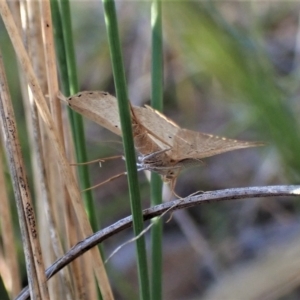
pixel 165 148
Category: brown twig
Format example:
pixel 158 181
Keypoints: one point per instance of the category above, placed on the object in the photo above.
pixel 206 197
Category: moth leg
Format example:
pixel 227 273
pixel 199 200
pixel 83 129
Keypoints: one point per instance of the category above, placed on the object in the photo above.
pixel 105 181
pixel 196 193
pixel 172 186
pixel 142 158
pixel 141 167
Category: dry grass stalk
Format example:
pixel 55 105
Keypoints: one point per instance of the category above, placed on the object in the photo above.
pixel 48 44
pixel 32 249
pixel 66 172
pixel 48 229
pixel 11 279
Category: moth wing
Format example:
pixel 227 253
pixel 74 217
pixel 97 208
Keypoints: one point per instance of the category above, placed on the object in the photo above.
pixel 161 129
pixel 100 107
pixel 196 145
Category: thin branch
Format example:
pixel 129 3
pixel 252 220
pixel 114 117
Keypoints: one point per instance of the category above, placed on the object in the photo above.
pixel 149 213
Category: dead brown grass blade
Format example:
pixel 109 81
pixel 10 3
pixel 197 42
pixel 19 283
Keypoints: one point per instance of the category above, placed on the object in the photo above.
pixel 49 233
pixel 66 172
pixel 11 279
pixel 32 249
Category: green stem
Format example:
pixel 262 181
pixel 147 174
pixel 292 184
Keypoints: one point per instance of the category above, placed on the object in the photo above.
pixel 156 183
pixel 77 122
pixel 124 109
pixel 67 67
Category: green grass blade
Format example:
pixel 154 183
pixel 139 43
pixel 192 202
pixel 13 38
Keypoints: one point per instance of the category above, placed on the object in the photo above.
pixel 66 56
pixel 67 66
pixel 124 109
pixel 156 182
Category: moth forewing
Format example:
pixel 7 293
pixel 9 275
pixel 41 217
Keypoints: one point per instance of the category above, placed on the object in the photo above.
pixel 196 145
pixel 157 125
pixel 97 106
pixel 144 142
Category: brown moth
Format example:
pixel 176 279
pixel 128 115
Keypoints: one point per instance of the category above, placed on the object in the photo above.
pixel 165 148
pixel 183 147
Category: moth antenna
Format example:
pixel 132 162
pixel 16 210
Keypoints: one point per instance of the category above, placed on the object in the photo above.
pixel 106 181
pixel 96 160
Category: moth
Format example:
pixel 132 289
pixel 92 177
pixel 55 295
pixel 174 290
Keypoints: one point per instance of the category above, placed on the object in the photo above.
pixel 164 147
